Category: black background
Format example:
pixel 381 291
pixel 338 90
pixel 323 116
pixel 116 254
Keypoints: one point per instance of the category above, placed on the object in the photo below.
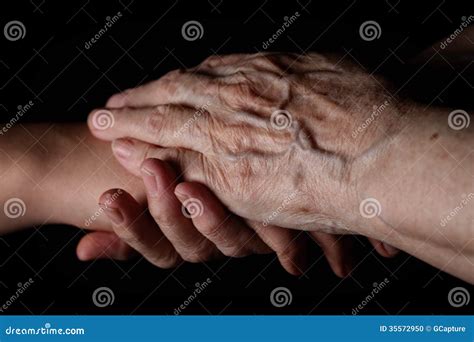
pixel 52 67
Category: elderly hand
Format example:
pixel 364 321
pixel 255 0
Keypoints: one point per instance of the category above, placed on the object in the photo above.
pixel 276 137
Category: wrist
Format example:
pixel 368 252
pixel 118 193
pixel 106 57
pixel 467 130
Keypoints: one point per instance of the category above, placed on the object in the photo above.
pixel 417 176
pixel 376 144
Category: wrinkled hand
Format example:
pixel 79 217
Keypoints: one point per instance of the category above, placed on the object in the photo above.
pixel 276 137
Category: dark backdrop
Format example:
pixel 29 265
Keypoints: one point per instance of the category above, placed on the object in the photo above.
pixel 52 67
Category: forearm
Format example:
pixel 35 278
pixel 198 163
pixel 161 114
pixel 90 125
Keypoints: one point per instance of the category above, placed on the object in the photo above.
pixel 424 184
pixel 58 171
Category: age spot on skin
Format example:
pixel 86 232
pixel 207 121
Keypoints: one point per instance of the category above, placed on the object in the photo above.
pixel 434 136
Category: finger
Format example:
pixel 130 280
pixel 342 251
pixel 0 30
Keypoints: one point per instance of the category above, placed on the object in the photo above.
pixel 273 62
pixel 289 245
pixel 265 60
pixel 165 125
pixel 384 249
pixel 197 86
pixel 136 227
pixel 160 181
pixel 228 232
pixel 230 65
pixel 132 153
pixel 337 249
pixel 205 89
pixel 98 245
pixel 223 60
pixel 177 86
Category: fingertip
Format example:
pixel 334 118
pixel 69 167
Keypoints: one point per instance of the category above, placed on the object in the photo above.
pixel 83 250
pixel 117 100
pixel 110 198
pixel 384 249
pixel 158 176
pixel 341 270
pixel 337 250
pixel 293 271
pixel 390 250
pixel 99 121
pixel 103 245
pixel 343 265
pixel 296 261
pixel 90 121
pixel 293 267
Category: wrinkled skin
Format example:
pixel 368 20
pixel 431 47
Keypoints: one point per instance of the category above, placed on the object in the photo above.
pixel 276 144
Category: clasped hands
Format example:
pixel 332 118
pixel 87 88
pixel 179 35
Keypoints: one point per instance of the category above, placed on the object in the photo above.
pixel 238 156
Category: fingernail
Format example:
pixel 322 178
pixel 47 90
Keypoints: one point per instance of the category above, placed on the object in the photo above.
pixel 389 249
pixel 114 214
pixel 122 148
pixel 149 178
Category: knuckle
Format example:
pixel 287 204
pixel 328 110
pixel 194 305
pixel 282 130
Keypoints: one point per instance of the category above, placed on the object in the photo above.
pixel 238 94
pixel 159 120
pixel 133 237
pixel 156 120
pixel 211 231
pixel 212 60
pixel 201 124
pixel 270 61
pixel 162 217
pixel 200 252
pixel 173 74
pixel 245 90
